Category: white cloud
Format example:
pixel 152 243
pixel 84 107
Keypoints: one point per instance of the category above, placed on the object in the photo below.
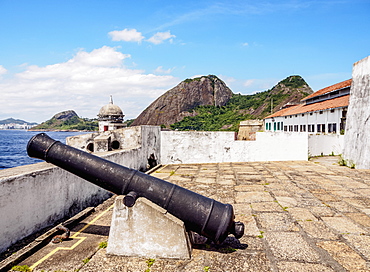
pixel 249 82
pixel 227 79
pixel 2 70
pixel 132 35
pixel 160 37
pixel 160 70
pixel 105 56
pixel 83 84
pixel 126 35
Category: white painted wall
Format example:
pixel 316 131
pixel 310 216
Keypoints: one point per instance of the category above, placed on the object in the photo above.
pixel 36 196
pixel 131 138
pixel 213 147
pixel 357 136
pixel 322 144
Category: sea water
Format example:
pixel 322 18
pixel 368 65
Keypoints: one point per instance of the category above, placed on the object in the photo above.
pixel 13 146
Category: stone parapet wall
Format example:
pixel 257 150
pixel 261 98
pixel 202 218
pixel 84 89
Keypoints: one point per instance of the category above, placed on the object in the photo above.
pixel 325 144
pixel 38 195
pixel 213 147
pixel 357 136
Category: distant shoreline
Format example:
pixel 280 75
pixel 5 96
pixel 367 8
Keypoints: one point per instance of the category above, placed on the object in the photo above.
pixel 62 130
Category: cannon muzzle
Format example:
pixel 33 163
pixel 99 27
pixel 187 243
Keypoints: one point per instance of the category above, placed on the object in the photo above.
pixel 200 214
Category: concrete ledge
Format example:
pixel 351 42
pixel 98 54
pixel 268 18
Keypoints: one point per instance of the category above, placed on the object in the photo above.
pixel 147 230
pixel 41 241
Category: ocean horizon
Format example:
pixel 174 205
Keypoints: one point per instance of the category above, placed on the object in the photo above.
pixel 13 145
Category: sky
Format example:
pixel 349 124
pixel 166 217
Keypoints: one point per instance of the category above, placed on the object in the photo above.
pixel 72 55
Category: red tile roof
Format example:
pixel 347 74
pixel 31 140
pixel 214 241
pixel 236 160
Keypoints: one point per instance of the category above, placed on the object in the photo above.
pixel 331 88
pixel 324 105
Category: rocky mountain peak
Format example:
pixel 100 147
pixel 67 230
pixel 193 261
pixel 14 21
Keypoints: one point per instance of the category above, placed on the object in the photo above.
pixel 65 115
pixel 175 104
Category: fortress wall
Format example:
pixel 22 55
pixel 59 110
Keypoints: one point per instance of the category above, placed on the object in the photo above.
pixel 357 136
pixel 38 195
pixel 325 144
pixel 214 147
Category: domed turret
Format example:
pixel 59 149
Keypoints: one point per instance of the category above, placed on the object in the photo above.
pixel 110 117
pixel 110 112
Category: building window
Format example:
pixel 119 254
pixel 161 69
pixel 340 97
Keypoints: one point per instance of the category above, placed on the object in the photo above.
pixel 278 125
pixel 285 128
pixel 332 110
pixel 302 114
pixel 267 126
pixel 332 128
pixel 290 127
pixel 311 113
pixel 321 112
pixel 311 128
pixel 274 126
pixel 281 125
pixel 321 128
pixel 296 128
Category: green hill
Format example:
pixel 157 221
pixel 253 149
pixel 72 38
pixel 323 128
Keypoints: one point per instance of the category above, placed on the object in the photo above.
pixel 244 107
pixel 68 120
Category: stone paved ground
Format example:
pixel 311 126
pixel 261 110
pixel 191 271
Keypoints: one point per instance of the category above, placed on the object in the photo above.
pixel 299 216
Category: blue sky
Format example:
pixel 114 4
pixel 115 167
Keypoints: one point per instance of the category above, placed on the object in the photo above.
pixel 61 55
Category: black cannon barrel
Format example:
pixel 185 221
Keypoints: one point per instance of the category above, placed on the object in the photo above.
pixel 200 214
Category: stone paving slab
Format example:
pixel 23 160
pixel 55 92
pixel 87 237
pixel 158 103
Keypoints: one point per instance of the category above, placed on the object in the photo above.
pixel 299 216
pixel 291 246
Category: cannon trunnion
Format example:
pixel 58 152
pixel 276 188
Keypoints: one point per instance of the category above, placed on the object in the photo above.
pixel 200 214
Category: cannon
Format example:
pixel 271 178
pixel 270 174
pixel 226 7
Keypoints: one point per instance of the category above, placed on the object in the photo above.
pixel 200 214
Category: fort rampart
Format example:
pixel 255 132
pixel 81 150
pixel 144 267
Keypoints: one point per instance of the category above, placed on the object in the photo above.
pixel 39 195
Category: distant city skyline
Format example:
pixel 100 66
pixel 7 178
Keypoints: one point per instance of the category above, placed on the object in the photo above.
pixel 73 55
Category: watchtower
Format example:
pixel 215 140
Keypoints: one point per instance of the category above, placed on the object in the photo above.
pixel 110 117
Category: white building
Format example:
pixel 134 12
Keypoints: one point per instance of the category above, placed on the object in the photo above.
pixel 110 117
pixel 321 112
pixel 16 126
